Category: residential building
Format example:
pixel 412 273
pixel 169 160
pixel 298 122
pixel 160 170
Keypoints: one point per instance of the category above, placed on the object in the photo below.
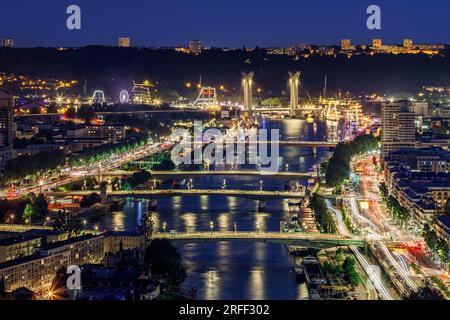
pixel 346 45
pixel 398 127
pixel 124 42
pixel 442 228
pixel 377 44
pixel 8 42
pixel 419 108
pixel 113 133
pixel 37 271
pixel 18 246
pixel 6 127
pixel 408 44
pixel 123 240
pixel 430 159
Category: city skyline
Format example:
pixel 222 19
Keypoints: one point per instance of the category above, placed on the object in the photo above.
pixel 229 24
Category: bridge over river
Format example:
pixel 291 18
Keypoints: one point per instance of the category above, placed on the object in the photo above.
pixel 302 239
pixel 164 193
pixel 175 174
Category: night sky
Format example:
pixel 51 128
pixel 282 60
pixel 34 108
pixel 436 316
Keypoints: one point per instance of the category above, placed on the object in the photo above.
pixel 224 23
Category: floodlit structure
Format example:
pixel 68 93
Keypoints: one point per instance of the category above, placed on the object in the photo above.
pixel 331 112
pixel 124 97
pixel 141 93
pixel 207 98
pixel 293 88
pixel 98 97
pixel 247 84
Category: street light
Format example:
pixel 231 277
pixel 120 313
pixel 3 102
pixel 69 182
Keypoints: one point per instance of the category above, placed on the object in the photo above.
pixel 164 227
pixel 12 218
pixel 257 227
pixel 260 185
pixel 211 226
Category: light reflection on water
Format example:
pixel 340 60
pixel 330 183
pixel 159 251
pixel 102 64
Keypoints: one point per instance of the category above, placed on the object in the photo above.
pixel 233 270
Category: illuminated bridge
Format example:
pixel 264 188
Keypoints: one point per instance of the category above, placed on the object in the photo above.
pixel 300 143
pixel 301 239
pixel 164 193
pixel 153 111
pixel 173 175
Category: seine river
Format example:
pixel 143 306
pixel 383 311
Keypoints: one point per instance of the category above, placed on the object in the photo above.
pixel 234 270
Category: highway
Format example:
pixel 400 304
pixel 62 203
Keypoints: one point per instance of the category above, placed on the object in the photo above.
pixel 378 222
pixel 70 174
pixel 374 277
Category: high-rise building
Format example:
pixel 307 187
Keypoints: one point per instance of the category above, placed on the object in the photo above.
pixel 398 127
pixel 6 121
pixel 6 128
pixel 125 42
pixel 407 43
pixel 8 42
pixel 420 108
pixel 346 44
pixel 195 46
pixel 377 44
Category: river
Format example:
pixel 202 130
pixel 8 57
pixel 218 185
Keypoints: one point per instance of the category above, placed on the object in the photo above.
pixel 234 270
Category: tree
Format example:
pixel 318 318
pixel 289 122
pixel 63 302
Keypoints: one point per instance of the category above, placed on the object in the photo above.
pixel 71 113
pixel 447 207
pixel 351 276
pixel 139 178
pixel 29 212
pixel 40 205
pixel 90 200
pixel 427 292
pixel 115 183
pixel 68 223
pixel 86 113
pixel 2 288
pixel 340 254
pixel 322 215
pixel 145 227
pixel 165 260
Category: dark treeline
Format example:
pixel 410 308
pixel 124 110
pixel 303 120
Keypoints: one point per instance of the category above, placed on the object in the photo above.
pixel 323 216
pixel 25 165
pixel 338 167
pixel 112 69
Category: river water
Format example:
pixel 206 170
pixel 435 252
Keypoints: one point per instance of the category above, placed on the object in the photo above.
pixel 234 270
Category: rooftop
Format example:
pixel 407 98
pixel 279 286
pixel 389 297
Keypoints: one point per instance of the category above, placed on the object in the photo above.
pixel 445 220
pixel 17 240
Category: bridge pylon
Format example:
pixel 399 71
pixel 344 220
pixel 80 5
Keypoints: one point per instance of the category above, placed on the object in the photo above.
pixel 247 85
pixel 293 88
